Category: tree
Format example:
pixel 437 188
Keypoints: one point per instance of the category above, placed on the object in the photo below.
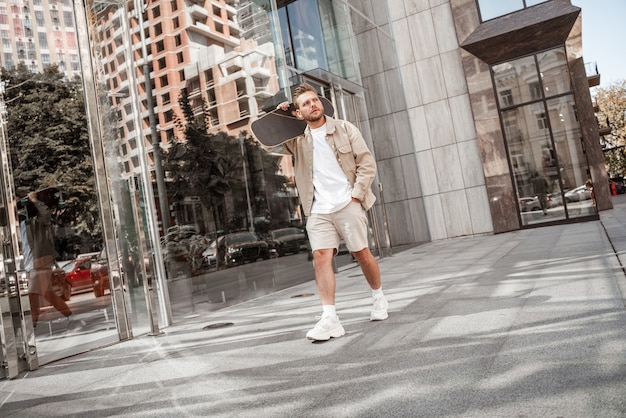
pixel 612 103
pixel 210 167
pixel 200 164
pixel 49 145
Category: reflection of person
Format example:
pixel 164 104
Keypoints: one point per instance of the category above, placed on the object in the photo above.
pixel 39 256
pixel 589 186
pixel 334 170
pixel 541 188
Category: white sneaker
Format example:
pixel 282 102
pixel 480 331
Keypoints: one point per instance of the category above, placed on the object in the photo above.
pixel 379 311
pixel 325 329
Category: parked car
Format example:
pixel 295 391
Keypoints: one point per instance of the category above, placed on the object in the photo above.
pixel 578 194
pixel 60 285
pixel 100 274
pixel 287 240
pixel 241 247
pixel 209 256
pixel 529 204
pixel 78 273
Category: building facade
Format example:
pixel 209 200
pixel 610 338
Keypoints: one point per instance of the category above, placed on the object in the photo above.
pixel 39 33
pixel 478 113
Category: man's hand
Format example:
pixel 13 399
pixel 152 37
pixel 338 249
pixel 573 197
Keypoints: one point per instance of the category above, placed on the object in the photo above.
pixel 284 106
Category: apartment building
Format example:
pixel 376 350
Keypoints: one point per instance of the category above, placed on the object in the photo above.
pixel 38 33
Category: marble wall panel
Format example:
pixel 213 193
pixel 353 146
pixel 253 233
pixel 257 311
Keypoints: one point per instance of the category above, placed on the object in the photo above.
pixel 396 10
pixel 421 138
pixel 444 28
pixel 413 6
pixel 456 213
pixel 413 227
pixel 439 123
pixel 377 95
pixel 392 178
pixel 411 176
pixel 480 213
pixel 368 54
pixel 359 24
pixel 427 173
pixel 453 75
pixel 384 137
pixel 436 220
pixel 432 83
pixel 395 91
pixel 462 117
pixel 435 3
pixel 471 164
pixel 403 132
pixel 419 224
pixel 402 45
pixel 410 81
pixel 422 31
pixel 387 47
pixel 448 168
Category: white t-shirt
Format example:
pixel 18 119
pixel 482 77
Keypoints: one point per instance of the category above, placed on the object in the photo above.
pixel 332 190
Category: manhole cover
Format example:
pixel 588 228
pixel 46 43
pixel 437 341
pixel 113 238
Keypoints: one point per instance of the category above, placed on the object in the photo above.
pixel 303 295
pixel 218 325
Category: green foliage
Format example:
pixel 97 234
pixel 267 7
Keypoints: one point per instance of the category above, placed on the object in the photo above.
pixel 210 166
pixel 49 144
pixel 612 103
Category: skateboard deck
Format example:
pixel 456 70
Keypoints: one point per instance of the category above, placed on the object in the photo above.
pixel 51 196
pixel 279 126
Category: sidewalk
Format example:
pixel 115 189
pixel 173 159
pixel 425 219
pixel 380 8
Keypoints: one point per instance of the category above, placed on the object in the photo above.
pixel 528 323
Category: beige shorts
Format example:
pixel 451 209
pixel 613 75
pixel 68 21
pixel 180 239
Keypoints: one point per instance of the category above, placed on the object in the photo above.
pixel 349 224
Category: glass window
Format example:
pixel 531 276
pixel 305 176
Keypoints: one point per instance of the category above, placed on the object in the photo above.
pixel 306 43
pixel 490 9
pixel 512 79
pixel 494 8
pixel 554 73
pixel 543 137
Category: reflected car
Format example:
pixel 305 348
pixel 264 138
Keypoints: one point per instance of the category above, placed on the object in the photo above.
pixel 209 256
pixel 529 204
pixel 100 274
pixel 578 194
pixel 78 273
pixel 60 285
pixel 241 247
pixel 287 241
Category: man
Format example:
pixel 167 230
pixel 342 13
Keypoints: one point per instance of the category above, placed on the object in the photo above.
pixel 541 187
pixel 334 170
pixel 39 256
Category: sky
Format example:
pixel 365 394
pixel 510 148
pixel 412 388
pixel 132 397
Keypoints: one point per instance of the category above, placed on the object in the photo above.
pixel 604 32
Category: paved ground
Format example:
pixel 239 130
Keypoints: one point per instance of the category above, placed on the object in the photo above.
pixel 524 324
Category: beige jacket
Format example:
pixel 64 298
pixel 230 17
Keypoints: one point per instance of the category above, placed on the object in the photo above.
pixel 353 156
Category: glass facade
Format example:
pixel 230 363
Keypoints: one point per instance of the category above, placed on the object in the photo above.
pixel 543 138
pixel 211 218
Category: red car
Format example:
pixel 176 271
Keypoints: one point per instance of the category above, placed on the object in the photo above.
pixel 78 273
pixel 99 275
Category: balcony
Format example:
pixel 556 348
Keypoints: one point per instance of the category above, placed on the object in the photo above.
pixel 604 126
pixel 593 76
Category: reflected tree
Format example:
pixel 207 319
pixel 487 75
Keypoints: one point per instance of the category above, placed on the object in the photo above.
pixel 49 145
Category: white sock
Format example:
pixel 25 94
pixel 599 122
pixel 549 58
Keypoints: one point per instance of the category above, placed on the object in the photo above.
pixel 376 293
pixel 329 311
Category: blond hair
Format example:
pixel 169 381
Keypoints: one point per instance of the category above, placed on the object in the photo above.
pixel 299 91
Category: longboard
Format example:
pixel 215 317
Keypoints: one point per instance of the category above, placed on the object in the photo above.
pixel 279 126
pixel 51 196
